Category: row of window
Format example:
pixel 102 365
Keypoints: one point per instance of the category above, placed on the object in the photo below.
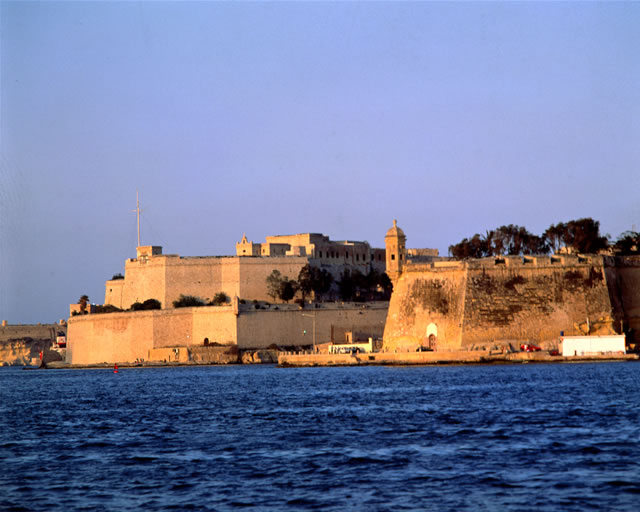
pixel 335 254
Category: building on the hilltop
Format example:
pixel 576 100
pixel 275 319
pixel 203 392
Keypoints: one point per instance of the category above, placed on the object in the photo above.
pixel 316 247
pixel 445 304
pixel 164 277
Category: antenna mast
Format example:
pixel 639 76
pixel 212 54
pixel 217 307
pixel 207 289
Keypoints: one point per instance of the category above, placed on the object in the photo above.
pixel 137 212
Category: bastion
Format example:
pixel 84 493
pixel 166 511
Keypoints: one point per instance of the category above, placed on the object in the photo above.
pixel 505 301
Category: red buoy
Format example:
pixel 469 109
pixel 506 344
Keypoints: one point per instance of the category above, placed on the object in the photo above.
pixel 115 368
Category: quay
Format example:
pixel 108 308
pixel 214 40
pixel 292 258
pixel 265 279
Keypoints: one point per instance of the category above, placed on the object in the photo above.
pixel 440 358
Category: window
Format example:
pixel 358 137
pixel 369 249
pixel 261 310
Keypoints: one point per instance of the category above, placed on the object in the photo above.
pixel 393 257
pixel 320 252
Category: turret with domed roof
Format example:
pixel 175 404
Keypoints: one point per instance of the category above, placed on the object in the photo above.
pixel 395 245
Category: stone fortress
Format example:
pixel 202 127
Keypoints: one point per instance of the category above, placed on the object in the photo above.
pixel 437 303
pixel 250 321
pixel 164 277
pixel 494 302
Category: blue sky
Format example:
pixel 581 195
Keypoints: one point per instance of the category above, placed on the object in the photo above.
pixel 280 118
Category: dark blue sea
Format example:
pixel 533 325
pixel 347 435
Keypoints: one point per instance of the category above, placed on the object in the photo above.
pixel 558 437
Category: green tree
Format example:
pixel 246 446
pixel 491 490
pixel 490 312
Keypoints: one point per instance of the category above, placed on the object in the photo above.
pixel 288 289
pixel 581 236
pixel 314 279
pixel 554 236
pixel 274 283
pixel 322 283
pixel 350 284
pixel 306 279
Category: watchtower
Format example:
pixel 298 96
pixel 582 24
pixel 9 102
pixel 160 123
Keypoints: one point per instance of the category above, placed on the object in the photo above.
pixel 395 245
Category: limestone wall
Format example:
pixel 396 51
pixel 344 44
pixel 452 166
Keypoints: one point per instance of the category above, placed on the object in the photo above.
pixel 535 303
pixel 259 328
pixel 166 277
pixel 483 302
pixel 110 338
pixel 119 337
pixel 33 331
pixel 628 279
pixel 253 273
pixel 125 337
pixel 420 299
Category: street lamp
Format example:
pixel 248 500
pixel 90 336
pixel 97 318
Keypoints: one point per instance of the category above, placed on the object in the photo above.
pixel 314 329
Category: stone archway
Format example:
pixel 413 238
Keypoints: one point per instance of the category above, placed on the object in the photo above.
pixel 432 336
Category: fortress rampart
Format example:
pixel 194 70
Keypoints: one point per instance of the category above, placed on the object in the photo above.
pixel 166 277
pixel 125 337
pixel 451 305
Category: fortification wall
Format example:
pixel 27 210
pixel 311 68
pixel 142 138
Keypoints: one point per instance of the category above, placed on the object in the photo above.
pixel 120 337
pixel 113 293
pixel 201 277
pixel 253 273
pixel 259 329
pixel 536 303
pixel 110 338
pixel 144 279
pixel 125 337
pixel 33 331
pixel 628 279
pixel 167 277
pixel 482 302
pixel 421 298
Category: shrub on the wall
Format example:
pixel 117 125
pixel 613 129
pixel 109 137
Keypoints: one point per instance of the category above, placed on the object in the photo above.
pixel 147 305
pixel 219 299
pixel 188 301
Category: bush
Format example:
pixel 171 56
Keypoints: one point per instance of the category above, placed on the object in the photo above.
pixel 219 299
pixel 107 308
pixel 147 305
pixel 117 276
pixel 188 301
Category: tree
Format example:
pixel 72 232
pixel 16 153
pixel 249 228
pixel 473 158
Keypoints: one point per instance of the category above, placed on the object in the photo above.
pixel 322 283
pixel 554 236
pixel 83 301
pixel 281 287
pixel 188 301
pixel 581 236
pixel 288 289
pixel 585 236
pixel 628 243
pixel 306 279
pixel 117 276
pixel 476 247
pixel 348 284
pixel 314 279
pixel 274 283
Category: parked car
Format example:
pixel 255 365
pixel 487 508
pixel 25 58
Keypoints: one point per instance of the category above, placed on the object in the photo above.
pixel 529 348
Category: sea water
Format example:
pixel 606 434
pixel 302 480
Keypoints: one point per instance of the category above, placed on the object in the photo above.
pixel 527 437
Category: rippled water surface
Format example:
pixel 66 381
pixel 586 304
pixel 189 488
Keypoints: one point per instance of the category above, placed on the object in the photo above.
pixel 529 437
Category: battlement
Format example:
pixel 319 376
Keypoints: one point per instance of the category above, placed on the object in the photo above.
pixel 534 261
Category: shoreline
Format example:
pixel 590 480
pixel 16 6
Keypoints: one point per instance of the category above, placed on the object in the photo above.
pixel 296 360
